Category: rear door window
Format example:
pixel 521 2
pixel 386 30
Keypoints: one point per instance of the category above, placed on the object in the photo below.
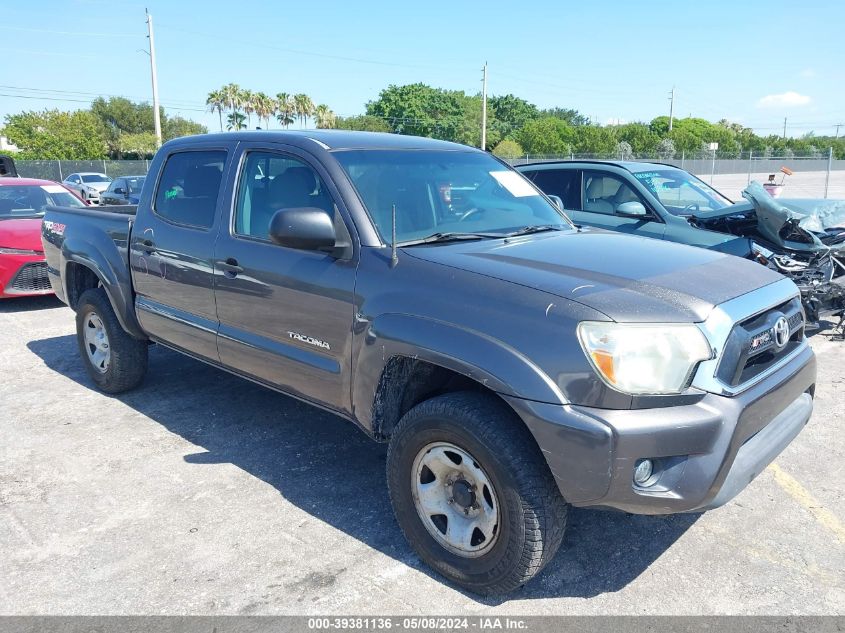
pixel 564 183
pixel 189 187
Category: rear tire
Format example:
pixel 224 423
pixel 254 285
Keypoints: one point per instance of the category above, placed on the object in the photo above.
pixel 500 517
pixel 115 360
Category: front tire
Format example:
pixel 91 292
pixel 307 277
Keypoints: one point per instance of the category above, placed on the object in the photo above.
pixel 473 493
pixel 115 361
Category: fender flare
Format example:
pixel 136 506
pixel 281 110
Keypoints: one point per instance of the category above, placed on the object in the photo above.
pixel 112 271
pixel 473 354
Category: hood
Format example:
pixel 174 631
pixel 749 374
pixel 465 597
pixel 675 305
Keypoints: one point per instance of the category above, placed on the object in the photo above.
pixel 97 186
pixel 24 233
pixel 627 278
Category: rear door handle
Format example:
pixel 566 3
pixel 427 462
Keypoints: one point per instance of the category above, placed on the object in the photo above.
pixel 230 267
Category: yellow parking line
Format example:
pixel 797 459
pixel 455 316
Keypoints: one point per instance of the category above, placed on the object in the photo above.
pixel 803 496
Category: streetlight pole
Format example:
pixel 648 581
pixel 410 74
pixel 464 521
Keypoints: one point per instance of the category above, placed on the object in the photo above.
pixel 156 113
pixel 484 107
pixel 671 107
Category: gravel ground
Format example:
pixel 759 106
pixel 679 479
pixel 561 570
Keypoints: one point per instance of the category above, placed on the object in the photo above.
pixel 200 493
pixel 801 184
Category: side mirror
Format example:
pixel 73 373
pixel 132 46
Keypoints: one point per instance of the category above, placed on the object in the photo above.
pixel 303 228
pixel 558 202
pixel 632 209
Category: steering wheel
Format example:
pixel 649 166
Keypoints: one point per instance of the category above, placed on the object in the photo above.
pixel 470 213
pixel 689 208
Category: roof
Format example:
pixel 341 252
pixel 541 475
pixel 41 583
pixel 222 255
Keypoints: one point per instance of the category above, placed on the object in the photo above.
pixel 87 173
pixel 29 182
pixel 333 139
pixel 630 165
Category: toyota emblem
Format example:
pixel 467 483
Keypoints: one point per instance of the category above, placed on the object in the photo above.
pixel 781 332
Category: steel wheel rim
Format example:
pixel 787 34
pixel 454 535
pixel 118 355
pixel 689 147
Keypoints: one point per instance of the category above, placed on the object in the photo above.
pixel 96 342
pixel 455 499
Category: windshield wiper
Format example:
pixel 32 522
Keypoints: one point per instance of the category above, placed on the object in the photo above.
pixel 540 228
pixel 451 236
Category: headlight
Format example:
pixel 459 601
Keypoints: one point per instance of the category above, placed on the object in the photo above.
pixel 644 358
pixel 18 251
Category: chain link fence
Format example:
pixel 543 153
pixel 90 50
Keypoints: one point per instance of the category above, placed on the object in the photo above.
pixel 820 176
pixel 58 170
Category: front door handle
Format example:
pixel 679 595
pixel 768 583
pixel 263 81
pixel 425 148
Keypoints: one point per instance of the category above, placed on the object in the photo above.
pixel 230 267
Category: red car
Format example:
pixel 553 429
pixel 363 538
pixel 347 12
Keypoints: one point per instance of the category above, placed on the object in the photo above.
pixel 23 271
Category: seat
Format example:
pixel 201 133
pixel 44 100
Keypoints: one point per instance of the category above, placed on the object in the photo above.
pixel 595 197
pixel 291 189
pixel 414 212
pixel 199 197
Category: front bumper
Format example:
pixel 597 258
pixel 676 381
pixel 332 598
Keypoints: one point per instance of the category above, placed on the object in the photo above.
pixel 23 276
pixel 705 453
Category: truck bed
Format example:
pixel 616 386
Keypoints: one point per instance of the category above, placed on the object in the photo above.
pixel 78 241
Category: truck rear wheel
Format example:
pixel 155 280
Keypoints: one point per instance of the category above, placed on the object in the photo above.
pixel 473 493
pixel 115 360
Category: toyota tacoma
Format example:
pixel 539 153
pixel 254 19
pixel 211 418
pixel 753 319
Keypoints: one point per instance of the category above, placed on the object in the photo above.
pixel 516 364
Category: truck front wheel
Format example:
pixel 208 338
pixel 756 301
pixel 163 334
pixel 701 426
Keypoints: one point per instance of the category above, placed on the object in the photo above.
pixel 472 492
pixel 115 361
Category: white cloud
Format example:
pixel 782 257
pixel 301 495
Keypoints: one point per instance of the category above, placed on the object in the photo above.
pixel 784 100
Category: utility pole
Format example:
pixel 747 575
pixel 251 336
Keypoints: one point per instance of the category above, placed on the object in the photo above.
pixel 837 126
pixel 671 107
pixel 784 128
pixel 156 113
pixel 484 107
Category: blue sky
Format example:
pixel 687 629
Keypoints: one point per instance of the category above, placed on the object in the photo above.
pixel 751 62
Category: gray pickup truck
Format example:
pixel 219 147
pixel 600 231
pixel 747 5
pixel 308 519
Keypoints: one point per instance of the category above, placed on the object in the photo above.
pixel 433 296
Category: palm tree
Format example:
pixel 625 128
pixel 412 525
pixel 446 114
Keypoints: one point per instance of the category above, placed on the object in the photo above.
pixel 216 101
pixel 232 95
pixel 248 104
pixel 286 109
pixel 264 107
pixel 324 117
pixel 304 108
pixel 235 121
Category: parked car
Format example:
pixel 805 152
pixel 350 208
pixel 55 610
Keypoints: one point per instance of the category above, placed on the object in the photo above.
pixel 23 271
pixel 802 239
pixel 89 185
pixel 123 190
pixel 516 365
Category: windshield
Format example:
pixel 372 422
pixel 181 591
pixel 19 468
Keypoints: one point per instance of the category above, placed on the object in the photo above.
pixel 681 192
pixel 444 192
pixel 95 178
pixel 27 200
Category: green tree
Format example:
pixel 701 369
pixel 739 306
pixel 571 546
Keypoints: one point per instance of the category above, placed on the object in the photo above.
pixel 572 117
pixel 420 110
pixel 265 107
pixel 594 139
pixel 324 117
pixel 216 102
pixel 508 149
pixel 362 123
pixel 547 135
pixel 639 136
pixel 304 108
pixel 236 121
pixel 53 134
pixel 140 145
pixel 509 113
pixel 174 127
pixel 285 109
